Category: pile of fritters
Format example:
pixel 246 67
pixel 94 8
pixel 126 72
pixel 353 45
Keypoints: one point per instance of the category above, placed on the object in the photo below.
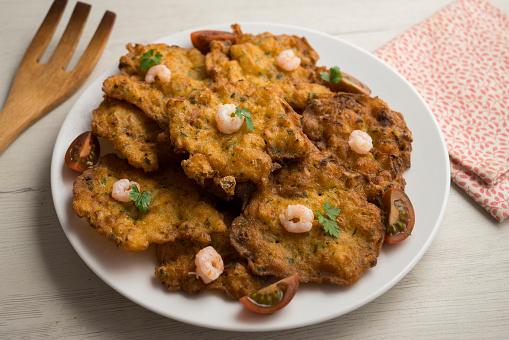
pixel 228 190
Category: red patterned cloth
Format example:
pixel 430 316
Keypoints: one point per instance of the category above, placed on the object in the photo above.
pixel 458 59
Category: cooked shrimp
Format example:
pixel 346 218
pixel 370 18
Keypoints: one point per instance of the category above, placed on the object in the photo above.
pixel 162 72
pixel 287 60
pixel 209 264
pixel 360 142
pixel 226 119
pixel 122 188
pixel 297 218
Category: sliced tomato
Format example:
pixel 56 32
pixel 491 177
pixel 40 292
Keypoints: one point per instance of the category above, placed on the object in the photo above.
pixel 201 39
pixel 272 298
pixel 83 152
pixel 353 85
pixel 349 84
pixel 400 215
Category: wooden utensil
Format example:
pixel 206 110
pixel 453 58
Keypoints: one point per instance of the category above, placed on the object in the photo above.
pixel 39 88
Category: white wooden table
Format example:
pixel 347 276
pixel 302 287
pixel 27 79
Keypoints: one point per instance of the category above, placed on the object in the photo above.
pixel 459 289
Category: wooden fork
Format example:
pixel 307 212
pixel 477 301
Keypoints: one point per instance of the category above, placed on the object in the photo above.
pixel 39 88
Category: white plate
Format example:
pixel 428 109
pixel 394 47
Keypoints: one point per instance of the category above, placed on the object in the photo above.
pixel 133 274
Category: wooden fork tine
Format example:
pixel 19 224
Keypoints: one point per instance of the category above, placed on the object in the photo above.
pixel 43 36
pixel 39 88
pixel 67 44
pixel 95 47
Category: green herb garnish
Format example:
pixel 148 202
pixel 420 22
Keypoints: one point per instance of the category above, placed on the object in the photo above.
pixel 334 77
pixel 148 59
pixel 244 113
pixel 141 199
pixel 328 219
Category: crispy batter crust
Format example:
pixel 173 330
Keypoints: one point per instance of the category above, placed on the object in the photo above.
pixel 253 58
pixel 177 270
pixel 187 68
pixel 314 256
pixel 243 155
pixel 132 133
pixel 188 62
pixel 179 208
pixel 133 112
pixel 329 122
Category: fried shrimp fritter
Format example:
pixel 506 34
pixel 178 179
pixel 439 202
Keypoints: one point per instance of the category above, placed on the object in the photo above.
pixel 315 256
pixel 177 270
pixel 187 67
pixel 329 122
pixel 254 59
pixel 228 159
pixel 179 208
pixel 132 133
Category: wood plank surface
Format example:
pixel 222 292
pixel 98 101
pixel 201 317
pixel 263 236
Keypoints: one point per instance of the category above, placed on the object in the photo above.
pixel 458 290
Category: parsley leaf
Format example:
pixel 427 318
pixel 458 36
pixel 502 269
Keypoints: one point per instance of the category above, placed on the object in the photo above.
pixel 147 60
pixel 334 77
pixel 141 199
pixel 245 113
pixel 328 219
pixel 331 211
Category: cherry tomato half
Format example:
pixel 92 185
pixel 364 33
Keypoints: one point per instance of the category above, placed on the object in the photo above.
pixel 349 84
pixel 201 39
pixel 400 215
pixel 83 152
pixel 272 298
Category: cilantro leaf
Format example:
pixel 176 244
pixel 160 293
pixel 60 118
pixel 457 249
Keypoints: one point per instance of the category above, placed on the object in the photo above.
pixel 249 121
pixel 331 211
pixel 325 76
pixel 328 219
pixel 147 60
pixel 331 227
pixel 334 75
pixel 239 112
pixel 141 199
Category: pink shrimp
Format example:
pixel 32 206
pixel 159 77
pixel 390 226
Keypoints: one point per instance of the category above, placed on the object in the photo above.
pixel 297 218
pixel 209 264
pixel 288 61
pixel 162 72
pixel 227 121
pixel 122 188
pixel 360 142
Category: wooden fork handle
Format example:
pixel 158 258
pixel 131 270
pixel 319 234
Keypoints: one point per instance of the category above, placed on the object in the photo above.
pixel 16 116
pixel 34 94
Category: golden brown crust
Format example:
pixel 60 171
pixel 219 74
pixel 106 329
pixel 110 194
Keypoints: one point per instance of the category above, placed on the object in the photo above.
pixel 329 122
pixel 151 101
pixel 243 155
pixel 314 256
pixel 180 61
pixel 132 133
pixel 253 58
pixel 187 68
pixel 179 208
pixel 177 270
pixel 133 113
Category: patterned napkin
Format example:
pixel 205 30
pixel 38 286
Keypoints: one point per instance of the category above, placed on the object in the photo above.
pixel 458 59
